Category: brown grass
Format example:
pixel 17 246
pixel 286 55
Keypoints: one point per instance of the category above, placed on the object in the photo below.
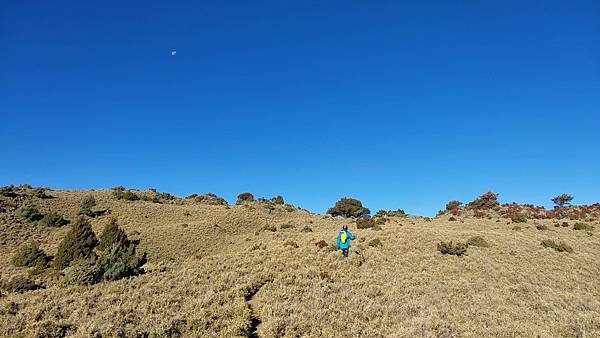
pixel 200 279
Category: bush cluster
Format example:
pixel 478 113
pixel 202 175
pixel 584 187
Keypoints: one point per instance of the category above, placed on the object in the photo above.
pixel 210 199
pixel 375 243
pixel 453 205
pixel 244 198
pixel 121 193
pixel 78 243
pixel 449 248
pixel 53 220
pixel 390 213
pixel 582 226
pixel 85 208
pixel 28 213
pixel 488 200
pixel 518 218
pixel 348 207
pixel 560 247
pixel 365 222
pixel 30 255
pixel 20 284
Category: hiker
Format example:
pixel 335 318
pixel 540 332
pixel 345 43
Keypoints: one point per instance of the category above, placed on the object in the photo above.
pixel 343 240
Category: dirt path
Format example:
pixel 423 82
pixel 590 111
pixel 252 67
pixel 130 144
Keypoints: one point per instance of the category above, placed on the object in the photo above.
pixel 255 322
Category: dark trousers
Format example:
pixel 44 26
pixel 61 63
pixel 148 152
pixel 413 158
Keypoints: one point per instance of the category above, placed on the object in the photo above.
pixel 345 252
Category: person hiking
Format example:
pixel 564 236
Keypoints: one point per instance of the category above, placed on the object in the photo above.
pixel 343 240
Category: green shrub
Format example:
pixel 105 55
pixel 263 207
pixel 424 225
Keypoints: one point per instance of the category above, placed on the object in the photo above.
pixel 20 284
pixel 390 213
pixel 78 243
pixel 375 243
pixel 50 329
pixel 518 218
pixel 306 229
pixel 85 208
pixel 130 196
pixel 269 227
pixel 30 255
pixel 28 213
pixel 541 227
pixel 244 198
pixel 376 227
pixel 121 261
pixel 449 248
pixel 364 222
pixel 287 226
pixel 278 200
pixel 453 205
pixel 112 235
pixel 348 207
pixel 562 200
pixel 210 199
pixel 560 247
pixel 291 244
pixel 477 241
pixel 53 220
pixel 582 226
pixel 121 194
pixel 83 271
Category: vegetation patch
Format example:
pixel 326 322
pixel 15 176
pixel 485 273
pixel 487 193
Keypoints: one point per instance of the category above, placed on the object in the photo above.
pixel 477 241
pixel 287 226
pixel 541 227
pixel 321 244
pixel 306 229
pixel 486 201
pixel 210 199
pixel 79 243
pixel 582 226
pixel 53 220
pixel 560 246
pixel 450 248
pixel 244 198
pixel 291 244
pixel 390 213
pixel 375 243
pixel 348 207
pixel 269 227
pixel 518 218
pixel 452 219
pixel 278 200
pixel 365 223
pixel 20 284
pixel 28 213
pixel 30 255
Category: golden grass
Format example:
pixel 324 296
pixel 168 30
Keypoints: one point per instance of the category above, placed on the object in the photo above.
pixel 198 278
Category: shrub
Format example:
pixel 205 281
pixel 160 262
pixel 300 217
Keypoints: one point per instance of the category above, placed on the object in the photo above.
pixel 376 228
pixel 269 227
pixel 291 244
pixel 210 199
pixel 130 196
pixel 85 208
pixel 375 243
pixel 452 219
pixel 453 205
pixel 20 284
pixel 541 227
pixel 30 255
pixel 380 220
pixel 582 226
pixel 518 218
pixel 306 229
pixel 449 248
pixel 83 271
pixel 564 224
pixel 477 241
pixel 321 244
pixel 286 226
pixel 560 247
pixel 121 261
pixel 121 194
pixel 112 235
pixel 488 200
pixel 53 220
pixel 348 207
pixel 78 243
pixel 28 213
pixel 562 200
pixel 244 198
pixel 278 200
pixel 390 213
pixel 516 227
pixel 364 222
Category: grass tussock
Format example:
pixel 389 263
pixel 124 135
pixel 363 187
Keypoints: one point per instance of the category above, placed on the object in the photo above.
pixel 478 241
pixel 582 226
pixel 558 246
pixel 450 248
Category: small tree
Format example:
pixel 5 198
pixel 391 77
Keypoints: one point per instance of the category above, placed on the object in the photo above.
pixel 79 242
pixel 562 200
pixel 244 198
pixel 278 200
pixel 453 205
pixel 348 207
pixel 30 254
pixel 112 235
pixel 86 206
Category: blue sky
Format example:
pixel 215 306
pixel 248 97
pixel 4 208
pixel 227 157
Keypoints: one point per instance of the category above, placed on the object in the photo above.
pixel 401 105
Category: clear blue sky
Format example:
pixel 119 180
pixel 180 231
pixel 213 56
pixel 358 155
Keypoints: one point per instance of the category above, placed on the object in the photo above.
pixel 399 105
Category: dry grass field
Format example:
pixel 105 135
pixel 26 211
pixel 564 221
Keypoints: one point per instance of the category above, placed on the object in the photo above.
pixel 220 271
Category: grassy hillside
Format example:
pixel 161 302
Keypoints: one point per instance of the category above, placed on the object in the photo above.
pixel 255 270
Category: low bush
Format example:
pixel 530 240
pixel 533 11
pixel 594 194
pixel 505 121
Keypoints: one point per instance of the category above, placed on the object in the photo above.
pixel 449 248
pixel 518 218
pixel 516 227
pixel 381 220
pixel 28 213
pixel 321 244
pixel 348 207
pixel 85 208
pixel 291 244
pixel 390 213
pixel 121 261
pixel 244 198
pixel 582 226
pixel 121 194
pixel 488 200
pixel 78 243
pixel 286 226
pixel 83 271
pixel 306 229
pixel 375 243
pixel 477 241
pixel 210 199
pixel 53 220
pixel 376 228
pixel 20 284
pixel 560 247
pixel 453 205
pixel 365 223
pixel 112 235
pixel 30 255
pixel 269 227
pixel 452 219
pixel 541 227
pixel 278 200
